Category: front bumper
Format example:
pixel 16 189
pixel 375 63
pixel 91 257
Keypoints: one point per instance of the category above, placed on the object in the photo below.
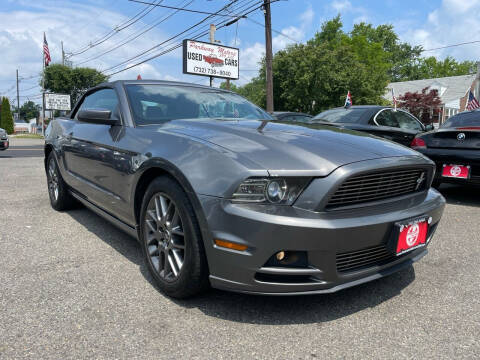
pixel 4 144
pixel 267 230
pixel 456 157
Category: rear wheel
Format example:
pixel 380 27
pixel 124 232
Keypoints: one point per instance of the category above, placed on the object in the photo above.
pixel 60 198
pixel 171 240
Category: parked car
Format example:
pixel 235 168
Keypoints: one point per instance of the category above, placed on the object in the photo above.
pixel 219 194
pixel 291 116
pixel 4 143
pixel 396 125
pixel 455 149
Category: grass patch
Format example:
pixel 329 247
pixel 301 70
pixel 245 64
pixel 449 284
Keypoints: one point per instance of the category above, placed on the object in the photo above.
pixel 28 136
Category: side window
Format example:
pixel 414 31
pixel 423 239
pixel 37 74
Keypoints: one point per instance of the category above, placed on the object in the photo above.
pixel 406 121
pixel 386 118
pixel 105 99
pixel 303 119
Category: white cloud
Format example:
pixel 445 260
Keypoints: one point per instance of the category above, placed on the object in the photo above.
pixel 341 5
pixel 76 24
pixel 291 33
pixel 307 16
pixel 451 23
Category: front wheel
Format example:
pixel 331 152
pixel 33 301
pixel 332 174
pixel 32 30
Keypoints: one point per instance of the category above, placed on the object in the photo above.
pixel 171 240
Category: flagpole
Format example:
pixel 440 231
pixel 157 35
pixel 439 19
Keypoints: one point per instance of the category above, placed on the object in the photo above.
pixel 43 85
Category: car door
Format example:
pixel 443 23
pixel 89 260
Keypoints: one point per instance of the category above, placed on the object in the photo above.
pixel 386 125
pixel 89 151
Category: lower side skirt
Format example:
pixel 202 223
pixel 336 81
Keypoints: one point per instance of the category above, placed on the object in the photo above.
pixel 110 218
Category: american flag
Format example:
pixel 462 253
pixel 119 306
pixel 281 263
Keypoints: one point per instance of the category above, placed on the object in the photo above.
pixel 46 52
pixel 348 101
pixel 472 102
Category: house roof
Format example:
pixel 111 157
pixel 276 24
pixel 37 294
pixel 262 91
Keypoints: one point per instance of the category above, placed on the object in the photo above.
pixel 449 88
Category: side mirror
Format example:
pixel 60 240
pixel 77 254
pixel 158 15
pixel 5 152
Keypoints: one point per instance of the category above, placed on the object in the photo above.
pixel 429 127
pixel 99 116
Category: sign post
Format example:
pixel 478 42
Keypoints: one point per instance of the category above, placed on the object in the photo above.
pixel 205 59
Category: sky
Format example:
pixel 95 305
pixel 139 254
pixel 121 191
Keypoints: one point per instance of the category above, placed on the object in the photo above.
pixel 79 23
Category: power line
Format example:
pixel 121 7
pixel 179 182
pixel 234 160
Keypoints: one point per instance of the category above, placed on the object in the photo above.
pixel 223 24
pixel 166 41
pixel 169 40
pixel 275 31
pixel 182 9
pixel 174 47
pixel 453 45
pixel 137 17
pixel 135 36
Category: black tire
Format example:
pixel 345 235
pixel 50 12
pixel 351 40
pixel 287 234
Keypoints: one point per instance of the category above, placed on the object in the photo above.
pixel 60 199
pixel 162 239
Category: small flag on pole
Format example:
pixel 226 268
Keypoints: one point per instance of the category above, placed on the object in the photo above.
pixel 46 52
pixel 348 100
pixel 394 99
pixel 472 103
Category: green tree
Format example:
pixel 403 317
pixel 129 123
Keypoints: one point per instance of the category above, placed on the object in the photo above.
pixel 401 56
pixel 64 80
pixel 29 110
pixel 430 67
pixel 317 75
pixel 6 118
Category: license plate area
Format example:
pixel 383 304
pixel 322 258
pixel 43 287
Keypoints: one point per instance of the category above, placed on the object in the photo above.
pixel 456 171
pixel 408 235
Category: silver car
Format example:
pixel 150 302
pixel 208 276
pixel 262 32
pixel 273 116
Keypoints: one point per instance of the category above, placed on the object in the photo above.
pixel 217 194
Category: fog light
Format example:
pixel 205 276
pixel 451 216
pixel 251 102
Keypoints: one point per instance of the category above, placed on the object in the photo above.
pixel 280 255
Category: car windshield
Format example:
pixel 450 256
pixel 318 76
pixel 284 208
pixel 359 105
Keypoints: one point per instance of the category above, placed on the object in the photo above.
pixel 340 115
pixel 154 104
pixel 463 120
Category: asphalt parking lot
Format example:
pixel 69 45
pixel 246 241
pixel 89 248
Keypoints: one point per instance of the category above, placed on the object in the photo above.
pixel 73 286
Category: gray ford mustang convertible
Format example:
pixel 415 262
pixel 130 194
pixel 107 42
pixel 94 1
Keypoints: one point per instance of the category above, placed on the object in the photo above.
pixel 219 195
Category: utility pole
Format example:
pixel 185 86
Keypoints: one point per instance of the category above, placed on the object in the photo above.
pixel 63 55
pixel 268 54
pixel 212 40
pixel 18 100
pixel 43 88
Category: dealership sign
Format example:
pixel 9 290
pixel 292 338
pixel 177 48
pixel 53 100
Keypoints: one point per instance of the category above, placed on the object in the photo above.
pixel 201 58
pixel 57 102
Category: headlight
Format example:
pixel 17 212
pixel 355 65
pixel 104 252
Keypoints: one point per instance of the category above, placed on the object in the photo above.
pixel 283 191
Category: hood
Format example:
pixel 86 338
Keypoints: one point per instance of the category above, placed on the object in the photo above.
pixel 282 149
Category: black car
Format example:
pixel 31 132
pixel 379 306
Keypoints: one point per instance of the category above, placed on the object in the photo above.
pixel 455 148
pixel 396 125
pixel 3 140
pixel 292 116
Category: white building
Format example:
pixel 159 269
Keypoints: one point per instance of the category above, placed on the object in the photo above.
pixel 453 92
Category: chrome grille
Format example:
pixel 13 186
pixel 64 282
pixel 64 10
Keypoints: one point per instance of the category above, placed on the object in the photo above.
pixel 370 187
pixel 363 258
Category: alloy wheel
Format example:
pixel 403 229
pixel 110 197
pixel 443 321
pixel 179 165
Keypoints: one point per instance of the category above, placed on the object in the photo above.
pixel 165 238
pixel 53 179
